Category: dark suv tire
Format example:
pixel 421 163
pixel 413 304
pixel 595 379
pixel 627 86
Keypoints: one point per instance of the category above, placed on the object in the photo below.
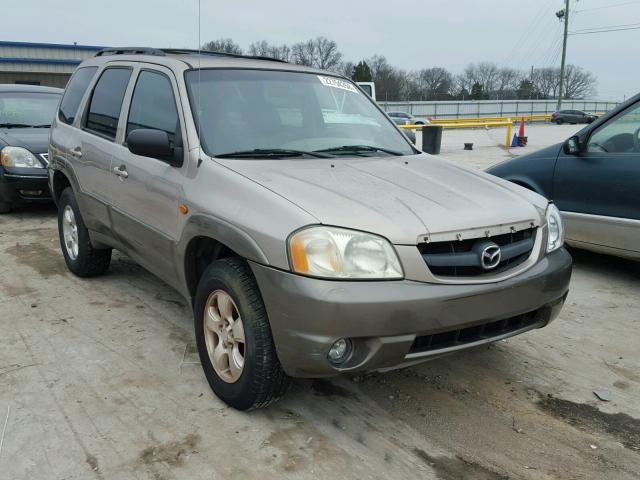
pixel 80 256
pixel 5 207
pixel 234 339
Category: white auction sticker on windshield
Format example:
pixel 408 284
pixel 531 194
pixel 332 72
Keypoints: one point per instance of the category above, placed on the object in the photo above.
pixel 337 83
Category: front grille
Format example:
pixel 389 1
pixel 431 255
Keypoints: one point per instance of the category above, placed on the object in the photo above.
pixel 457 258
pixel 45 158
pixel 463 336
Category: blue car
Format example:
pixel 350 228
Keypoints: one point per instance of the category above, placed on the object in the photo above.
pixel 594 179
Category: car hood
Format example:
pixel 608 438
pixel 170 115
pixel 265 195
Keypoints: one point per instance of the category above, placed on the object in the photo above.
pixel 401 198
pixel 36 140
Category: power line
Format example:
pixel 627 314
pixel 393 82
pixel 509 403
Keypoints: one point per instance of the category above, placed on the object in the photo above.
pixel 606 27
pixel 605 31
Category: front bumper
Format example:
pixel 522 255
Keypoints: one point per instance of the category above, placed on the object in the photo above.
pixel 24 186
pixel 389 322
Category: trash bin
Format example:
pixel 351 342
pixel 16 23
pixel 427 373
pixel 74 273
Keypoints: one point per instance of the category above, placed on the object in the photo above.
pixel 431 139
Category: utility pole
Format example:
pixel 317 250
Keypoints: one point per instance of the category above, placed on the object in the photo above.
pixel 563 15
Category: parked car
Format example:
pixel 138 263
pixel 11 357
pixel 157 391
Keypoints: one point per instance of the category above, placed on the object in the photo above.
pixel 572 116
pixel 401 118
pixel 593 178
pixel 309 235
pixel 26 112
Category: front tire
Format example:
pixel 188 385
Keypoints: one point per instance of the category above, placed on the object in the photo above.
pixel 5 207
pixel 234 339
pixel 80 256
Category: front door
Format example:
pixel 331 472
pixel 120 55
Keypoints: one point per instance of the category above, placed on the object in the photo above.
pixel 147 191
pixel 599 190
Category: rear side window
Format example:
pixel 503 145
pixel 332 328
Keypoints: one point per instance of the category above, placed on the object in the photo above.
pixel 153 105
pixel 106 102
pixel 74 93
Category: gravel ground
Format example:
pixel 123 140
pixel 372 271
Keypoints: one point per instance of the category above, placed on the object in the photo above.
pixel 100 379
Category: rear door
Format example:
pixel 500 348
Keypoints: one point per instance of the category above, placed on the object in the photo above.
pixel 145 211
pixel 599 190
pixel 92 163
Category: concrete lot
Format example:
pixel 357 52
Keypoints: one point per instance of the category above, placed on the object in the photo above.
pixel 99 379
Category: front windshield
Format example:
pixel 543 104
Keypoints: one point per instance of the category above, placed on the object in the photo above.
pixel 27 109
pixel 243 110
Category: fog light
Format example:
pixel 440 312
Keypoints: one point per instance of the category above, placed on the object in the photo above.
pixel 339 351
pixel 30 193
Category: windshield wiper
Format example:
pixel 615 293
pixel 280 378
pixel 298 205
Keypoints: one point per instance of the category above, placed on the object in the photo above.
pixel 14 125
pixel 359 149
pixel 271 153
pixel 22 125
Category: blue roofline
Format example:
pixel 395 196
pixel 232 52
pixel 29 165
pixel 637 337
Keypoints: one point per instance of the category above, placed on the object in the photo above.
pixel 49 61
pixel 50 45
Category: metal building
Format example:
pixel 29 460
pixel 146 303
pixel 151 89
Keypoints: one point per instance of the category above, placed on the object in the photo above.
pixel 49 64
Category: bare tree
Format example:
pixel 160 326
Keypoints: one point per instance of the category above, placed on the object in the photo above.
pixel 434 83
pixel 388 80
pixel 265 49
pixel 224 45
pixel 319 52
pixel 346 68
pixel 579 83
pixel 546 81
pixel 507 83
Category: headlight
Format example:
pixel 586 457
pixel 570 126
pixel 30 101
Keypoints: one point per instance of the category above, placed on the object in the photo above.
pixel 331 252
pixel 19 157
pixel 555 228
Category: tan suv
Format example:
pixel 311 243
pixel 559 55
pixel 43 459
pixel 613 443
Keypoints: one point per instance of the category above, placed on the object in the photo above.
pixel 309 235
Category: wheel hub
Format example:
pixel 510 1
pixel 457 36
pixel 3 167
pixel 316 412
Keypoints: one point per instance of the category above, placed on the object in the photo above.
pixel 70 232
pixel 224 336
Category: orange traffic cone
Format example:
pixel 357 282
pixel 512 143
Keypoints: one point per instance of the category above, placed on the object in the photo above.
pixel 521 131
pixel 522 140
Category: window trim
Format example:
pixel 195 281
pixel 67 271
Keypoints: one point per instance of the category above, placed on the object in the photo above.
pixel 86 90
pixel 85 116
pixel 133 92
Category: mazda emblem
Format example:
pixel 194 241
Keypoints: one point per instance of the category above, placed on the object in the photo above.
pixel 490 256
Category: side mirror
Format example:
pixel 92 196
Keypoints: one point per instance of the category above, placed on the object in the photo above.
pixel 572 146
pixel 151 143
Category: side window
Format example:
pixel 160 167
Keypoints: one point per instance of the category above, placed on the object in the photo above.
pixel 74 93
pixel 153 106
pixel 619 135
pixel 106 102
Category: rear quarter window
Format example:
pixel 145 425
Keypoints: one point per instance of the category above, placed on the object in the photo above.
pixel 73 94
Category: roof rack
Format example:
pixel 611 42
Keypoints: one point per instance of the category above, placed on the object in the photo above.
pixel 129 51
pixel 178 51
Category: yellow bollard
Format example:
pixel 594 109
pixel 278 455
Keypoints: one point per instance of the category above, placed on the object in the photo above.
pixel 509 138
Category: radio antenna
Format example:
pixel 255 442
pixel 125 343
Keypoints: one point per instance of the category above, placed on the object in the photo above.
pixel 199 81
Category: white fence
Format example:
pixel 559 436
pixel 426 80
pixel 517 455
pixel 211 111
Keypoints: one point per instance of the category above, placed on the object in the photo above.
pixel 493 108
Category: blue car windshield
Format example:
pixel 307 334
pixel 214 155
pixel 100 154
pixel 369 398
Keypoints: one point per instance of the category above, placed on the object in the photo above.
pixel 245 110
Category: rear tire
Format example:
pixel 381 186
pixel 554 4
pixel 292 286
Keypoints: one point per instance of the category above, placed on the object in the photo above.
pixel 5 207
pixel 260 380
pixel 80 256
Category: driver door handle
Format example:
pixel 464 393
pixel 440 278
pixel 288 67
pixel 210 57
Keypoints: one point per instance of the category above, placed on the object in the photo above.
pixel 121 172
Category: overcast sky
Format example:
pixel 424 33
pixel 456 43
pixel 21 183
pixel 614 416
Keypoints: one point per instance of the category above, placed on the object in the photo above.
pixel 412 35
